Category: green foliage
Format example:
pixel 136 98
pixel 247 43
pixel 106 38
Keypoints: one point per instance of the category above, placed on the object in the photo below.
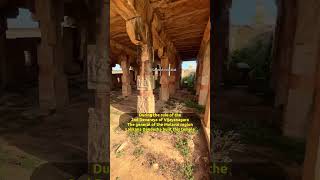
pixel 182 146
pixel 189 81
pixel 192 104
pixel 138 151
pixel 135 137
pixel 257 55
pixel 187 171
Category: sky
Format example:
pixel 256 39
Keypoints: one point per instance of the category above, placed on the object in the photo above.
pixel 116 68
pixel 243 11
pixel 23 20
pixel 187 64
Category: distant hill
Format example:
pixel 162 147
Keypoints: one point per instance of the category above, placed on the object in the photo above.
pixel 242 35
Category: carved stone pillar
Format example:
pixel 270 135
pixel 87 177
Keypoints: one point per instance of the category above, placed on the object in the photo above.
pixel 68 46
pixel 199 76
pixel 99 116
pixel 178 76
pixel 83 47
pixel 158 75
pixel 206 121
pixel 140 34
pixel 172 80
pixel 136 74
pixel 53 87
pixel 126 87
pixel 3 59
pixel 164 80
pixel 131 75
pixel 146 101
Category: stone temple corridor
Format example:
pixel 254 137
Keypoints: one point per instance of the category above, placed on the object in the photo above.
pixel 59 95
pixel 64 107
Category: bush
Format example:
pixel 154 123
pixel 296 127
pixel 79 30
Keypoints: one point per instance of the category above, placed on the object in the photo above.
pixel 257 55
pixel 189 81
pixel 192 104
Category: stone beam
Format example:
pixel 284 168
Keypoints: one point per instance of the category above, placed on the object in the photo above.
pixel 117 47
pixel 141 12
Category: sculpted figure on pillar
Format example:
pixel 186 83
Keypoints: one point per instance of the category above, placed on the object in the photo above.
pixel 126 87
pixel 140 35
pixel 164 80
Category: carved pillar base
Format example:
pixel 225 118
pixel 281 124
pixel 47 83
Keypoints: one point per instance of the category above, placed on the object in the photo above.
pixel 146 104
pixel 126 90
pixel 172 85
pixel 164 92
pixel 164 80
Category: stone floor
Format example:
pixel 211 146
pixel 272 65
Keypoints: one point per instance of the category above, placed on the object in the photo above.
pixel 30 141
pixel 32 144
pixel 265 155
pixel 154 155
